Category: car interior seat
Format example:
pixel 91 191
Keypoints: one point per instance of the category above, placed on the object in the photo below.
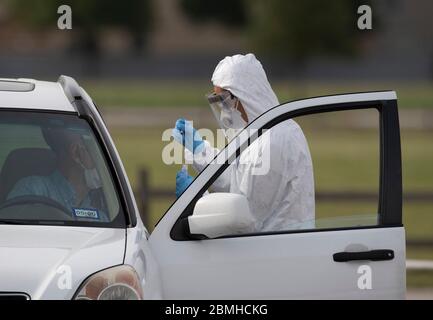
pixel 25 162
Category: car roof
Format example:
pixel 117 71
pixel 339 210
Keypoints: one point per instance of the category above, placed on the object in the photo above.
pixel 33 94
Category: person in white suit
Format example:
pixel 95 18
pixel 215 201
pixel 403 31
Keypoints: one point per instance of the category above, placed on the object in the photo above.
pixel 283 197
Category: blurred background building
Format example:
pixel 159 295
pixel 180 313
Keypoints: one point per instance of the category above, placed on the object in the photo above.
pixel 183 38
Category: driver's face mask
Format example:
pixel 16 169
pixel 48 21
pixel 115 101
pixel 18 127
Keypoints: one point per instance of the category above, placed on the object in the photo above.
pixel 225 109
pixel 93 180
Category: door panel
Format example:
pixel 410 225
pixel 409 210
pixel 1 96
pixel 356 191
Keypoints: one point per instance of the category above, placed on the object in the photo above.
pixel 286 266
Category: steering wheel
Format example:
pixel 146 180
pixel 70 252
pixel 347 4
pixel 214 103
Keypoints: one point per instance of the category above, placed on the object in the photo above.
pixel 62 212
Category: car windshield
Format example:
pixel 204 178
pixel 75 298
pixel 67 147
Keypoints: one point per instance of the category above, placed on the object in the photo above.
pixel 53 171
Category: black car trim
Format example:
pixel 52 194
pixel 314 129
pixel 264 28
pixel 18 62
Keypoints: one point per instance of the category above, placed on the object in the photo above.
pixel 120 180
pixel 14 296
pixel 75 95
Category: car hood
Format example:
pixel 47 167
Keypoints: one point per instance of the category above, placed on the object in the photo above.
pixel 51 262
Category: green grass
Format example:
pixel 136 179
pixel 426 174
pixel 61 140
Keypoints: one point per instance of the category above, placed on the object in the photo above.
pixel 417 152
pixel 419 253
pixel 148 94
pixel 142 148
pixel 175 94
pixel 419 279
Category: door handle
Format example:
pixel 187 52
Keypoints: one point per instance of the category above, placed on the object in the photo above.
pixel 373 255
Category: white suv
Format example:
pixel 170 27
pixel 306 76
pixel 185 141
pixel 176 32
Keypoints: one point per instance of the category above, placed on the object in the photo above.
pixel 70 228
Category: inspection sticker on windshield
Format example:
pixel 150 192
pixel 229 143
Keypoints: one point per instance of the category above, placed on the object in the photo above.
pixel 86 213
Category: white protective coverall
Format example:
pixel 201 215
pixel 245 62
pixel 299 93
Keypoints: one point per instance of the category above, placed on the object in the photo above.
pixel 283 198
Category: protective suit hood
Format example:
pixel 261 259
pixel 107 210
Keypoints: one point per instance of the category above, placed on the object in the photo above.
pixel 244 76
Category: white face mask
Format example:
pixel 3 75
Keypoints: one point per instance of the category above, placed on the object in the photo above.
pixel 232 123
pixel 225 109
pixel 233 119
pixel 91 176
pixel 93 181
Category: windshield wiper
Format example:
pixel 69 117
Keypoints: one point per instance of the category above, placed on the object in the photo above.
pixel 13 222
pixel 31 222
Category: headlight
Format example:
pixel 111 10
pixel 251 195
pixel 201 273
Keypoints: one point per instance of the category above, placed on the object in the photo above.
pixel 118 283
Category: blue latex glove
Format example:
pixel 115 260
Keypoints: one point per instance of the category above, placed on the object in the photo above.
pixel 183 180
pixel 186 135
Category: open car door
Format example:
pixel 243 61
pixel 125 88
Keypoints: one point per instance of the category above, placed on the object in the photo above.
pixel 337 258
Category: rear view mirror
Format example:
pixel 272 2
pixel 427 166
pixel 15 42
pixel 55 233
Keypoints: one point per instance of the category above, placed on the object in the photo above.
pixel 221 214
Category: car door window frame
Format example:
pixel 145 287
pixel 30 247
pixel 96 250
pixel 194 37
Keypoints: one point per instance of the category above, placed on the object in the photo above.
pixel 390 175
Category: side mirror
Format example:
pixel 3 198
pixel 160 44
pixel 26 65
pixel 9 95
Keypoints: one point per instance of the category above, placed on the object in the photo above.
pixel 221 214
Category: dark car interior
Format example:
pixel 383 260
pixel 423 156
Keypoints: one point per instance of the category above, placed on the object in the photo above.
pixel 22 163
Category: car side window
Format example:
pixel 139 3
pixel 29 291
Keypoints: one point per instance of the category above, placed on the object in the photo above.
pixel 345 150
pixel 319 171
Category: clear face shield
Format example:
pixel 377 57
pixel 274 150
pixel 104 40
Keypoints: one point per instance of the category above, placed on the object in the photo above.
pixel 224 107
